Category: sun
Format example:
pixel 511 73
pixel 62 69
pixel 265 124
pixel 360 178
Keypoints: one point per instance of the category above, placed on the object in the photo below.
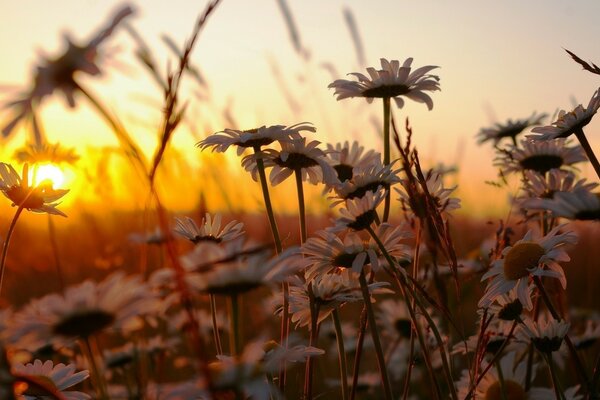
pixel 50 172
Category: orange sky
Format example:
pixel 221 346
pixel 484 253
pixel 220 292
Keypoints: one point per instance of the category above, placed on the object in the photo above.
pixel 498 60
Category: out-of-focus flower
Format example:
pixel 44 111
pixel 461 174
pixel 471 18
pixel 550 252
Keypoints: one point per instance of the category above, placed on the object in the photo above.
pixel 568 122
pixel 538 186
pixel 539 156
pixel 59 377
pixel 366 179
pixel 210 229
pixel 359 213
pixel 330 291
pixel 546 334
pixel 511 129
pixel 394 318
pixel 415 200
pixel 253 138
pixel 579 204
pixel 60 73
pixel 392 81
pixel 295 156
pixel 33 153
pixel 526 257
pixel 120 302
pixel 344 158
pixel 42 198
pixel 154 237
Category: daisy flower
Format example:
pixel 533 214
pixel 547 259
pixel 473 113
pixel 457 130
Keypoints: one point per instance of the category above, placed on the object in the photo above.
pixel 297 155
pixel 394 318
pixel 580 204
pixel 369 178
pixel 38 153
pixel 359 213
pixel 253 138
pixel 83 310
pixel 345 158
pixel 526 257
pixel 546 334
pixel 59 377
pixel 546 186
pixel 568 122
pixel 41 199
pixel 331 290
pixel 415 199
pixel 540 157
pixel 60 73
pixel 510 129
pixel 392 81
pixel 210 229
pixel 589 336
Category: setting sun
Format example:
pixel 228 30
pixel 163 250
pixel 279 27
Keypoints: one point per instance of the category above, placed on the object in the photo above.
pixel 50 172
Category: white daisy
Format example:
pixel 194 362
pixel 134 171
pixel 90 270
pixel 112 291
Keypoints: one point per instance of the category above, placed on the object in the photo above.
pixel 253 138
pixel 546 186
pixel 510 129
pixel 345 158
pixel 209 230
pixel 539 156
pixel 359 213
pixel 580 204
pixel 41 199
pixel 59 377
pixel 296 155
pixel 527 257
pixel 392 81
pixel 546 334
pixel 568 122
pixel 364 179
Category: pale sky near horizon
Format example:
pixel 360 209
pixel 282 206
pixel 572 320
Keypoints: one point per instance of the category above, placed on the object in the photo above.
pixel 497 60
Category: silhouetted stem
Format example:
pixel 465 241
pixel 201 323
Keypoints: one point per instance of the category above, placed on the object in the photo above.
pixel 97 374
pixel 234 327
pixel 385 380
pixel 386 152
pixel 301 206
pixel 555 383
pixel 215 325
pixel 11 228
pixel 588 150
pixel 339 336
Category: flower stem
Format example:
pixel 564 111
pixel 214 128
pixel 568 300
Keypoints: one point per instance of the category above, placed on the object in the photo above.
pixel 234 325
pixel 387 389
pixel 386 151
pixel 54 245
pixel 358 355
pixel 301 206
pixel 339 336
pixel 555 383
pixel 314 337
pixel 215 325
pixel 11 228
pixel 576 360
pixel 501 379
pixel 97 375
pixel 588 150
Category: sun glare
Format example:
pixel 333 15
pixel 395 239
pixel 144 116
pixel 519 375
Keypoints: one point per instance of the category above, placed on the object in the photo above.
pixel 50 172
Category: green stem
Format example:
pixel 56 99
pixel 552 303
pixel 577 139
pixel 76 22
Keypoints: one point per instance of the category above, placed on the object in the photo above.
pixel 97 375
pixel 588 150
pixel 301 206
pixel 387 388
pixel 501 380
pixel 339 336
pixel 386 151
pixel 555 382
pixel 215 325
pixel 576 360
pixel 234 325
pixel 11 228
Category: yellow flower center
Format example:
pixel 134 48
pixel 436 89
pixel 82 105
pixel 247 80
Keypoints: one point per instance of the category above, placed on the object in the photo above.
pixel 521 257
pixel 513 391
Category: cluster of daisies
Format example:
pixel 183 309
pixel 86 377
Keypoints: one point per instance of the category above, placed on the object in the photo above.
pixel 378 290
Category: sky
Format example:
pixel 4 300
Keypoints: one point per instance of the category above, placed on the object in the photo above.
pixel 497 60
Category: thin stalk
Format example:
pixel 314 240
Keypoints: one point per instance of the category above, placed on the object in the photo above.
pixel 385 380
pixel 405 286
pixel 411 364
pixel 301 206
pixel 215 325
pixel 54 245
pixel 588 150
pixel 555 382
pixel 97 375
pixel 362 329
pixel 285 287
pixel 595 379
pixel 339 336
pixel 314 337
pixel 386 151
pixel 11 229
pixel 501 379
pixel 576 360
pixel 234 325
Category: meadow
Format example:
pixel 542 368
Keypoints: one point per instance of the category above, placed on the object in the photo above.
pixel 283 266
